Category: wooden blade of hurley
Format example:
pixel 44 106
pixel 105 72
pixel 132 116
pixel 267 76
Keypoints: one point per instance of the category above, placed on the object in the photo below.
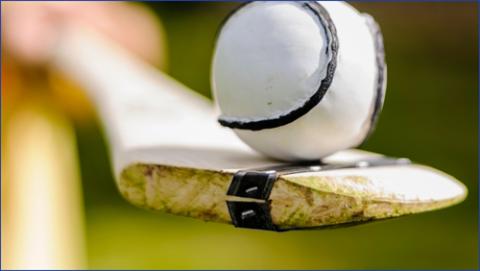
pixel 169 154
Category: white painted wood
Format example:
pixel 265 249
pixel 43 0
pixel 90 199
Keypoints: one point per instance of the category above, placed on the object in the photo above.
pixel 151 118
pixel 148 116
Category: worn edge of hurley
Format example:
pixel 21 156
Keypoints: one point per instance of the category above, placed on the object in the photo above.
pixel 295 203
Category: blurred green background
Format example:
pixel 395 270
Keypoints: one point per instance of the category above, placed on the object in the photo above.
pixel 430 116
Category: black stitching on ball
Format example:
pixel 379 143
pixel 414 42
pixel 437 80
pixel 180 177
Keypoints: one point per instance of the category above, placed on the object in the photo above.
pixel 322 14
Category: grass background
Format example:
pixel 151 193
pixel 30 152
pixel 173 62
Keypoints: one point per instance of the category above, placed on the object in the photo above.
pixel 430 115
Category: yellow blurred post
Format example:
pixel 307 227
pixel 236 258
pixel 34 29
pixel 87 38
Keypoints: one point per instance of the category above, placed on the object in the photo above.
pixel 42 213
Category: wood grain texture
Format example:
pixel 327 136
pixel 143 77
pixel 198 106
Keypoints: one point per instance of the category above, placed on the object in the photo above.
pixel 297 201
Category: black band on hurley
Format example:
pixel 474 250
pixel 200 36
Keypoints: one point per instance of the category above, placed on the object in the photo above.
pixel 255 186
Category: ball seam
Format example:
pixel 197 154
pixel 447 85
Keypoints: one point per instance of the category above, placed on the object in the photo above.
pixel 329 27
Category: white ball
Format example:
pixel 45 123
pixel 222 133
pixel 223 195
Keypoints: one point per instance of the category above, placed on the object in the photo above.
pixel 299 80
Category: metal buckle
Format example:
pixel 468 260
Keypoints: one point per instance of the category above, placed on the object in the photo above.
pixel 252 185
pixel 252 215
